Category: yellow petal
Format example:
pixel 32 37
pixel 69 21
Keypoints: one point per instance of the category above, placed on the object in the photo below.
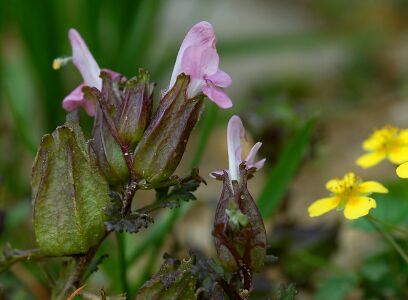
pixel 370 159
pixel 358 207
pixel 372 187
pixel 398 155
pixel 333 186
pixel 403 135
pixel 371 143
pixel 402 170
pixel 323 206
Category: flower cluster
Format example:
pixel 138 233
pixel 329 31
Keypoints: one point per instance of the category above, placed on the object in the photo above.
pixel 387 143
pixel 134 146
pixel 351 193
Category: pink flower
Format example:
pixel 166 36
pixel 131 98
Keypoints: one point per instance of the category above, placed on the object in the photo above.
pixel 90 71
pixel 199 59
pixel 235 133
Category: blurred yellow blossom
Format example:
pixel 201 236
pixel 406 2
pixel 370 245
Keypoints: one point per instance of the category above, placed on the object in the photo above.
pixel 350 193
pixel 387 143
pixel 402 170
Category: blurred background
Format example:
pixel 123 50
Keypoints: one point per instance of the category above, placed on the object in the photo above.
pixel 311 80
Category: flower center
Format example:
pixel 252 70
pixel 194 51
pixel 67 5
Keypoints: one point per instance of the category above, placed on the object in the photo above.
pixel 347 188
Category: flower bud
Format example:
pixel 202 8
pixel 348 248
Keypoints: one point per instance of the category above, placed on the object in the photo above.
pixel 108 152
pixel 69 194
pixel 239 232
pixel 122 115
pixel 136 109
pixel 160 150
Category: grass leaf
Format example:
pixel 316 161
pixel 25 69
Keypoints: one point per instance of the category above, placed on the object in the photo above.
pixel 284 170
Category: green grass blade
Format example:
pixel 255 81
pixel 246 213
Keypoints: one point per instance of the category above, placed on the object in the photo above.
pixel 139 37
pixel 281 175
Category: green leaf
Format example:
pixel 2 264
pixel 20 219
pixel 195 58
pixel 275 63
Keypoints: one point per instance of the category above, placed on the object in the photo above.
pixel 336 288
pixel 69 195
pixel 175 280
pixel 284 171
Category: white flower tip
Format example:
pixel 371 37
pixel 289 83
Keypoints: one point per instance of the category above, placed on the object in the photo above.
pixel 235 121
pixel 235 132
pixel 74 35
pixel 83 60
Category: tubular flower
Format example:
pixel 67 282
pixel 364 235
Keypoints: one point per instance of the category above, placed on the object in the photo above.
pixel 387 143
pixel 199 59
pixel 350 193
pixel 235 133
pixel 239 231
pixel 90 71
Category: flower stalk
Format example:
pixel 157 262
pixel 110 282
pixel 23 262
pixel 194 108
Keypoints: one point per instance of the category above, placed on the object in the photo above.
pixel 388 238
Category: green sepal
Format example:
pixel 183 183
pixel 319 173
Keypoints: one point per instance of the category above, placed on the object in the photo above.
pixel 69 193
pixel 239 245
pixel 136 109
pixel 160 150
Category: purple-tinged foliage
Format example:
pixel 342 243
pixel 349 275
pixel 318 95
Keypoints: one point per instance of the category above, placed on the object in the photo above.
pixel 160 150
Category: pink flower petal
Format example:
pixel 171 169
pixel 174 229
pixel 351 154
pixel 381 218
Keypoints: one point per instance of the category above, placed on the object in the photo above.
pixel 200 34
pixel 217 95
pixel 76 99
pixel 235 133
pixel 84 60
pixel 252 153
pixel 250 159
pixel 258 165
pixel 199 61
pixel 220 78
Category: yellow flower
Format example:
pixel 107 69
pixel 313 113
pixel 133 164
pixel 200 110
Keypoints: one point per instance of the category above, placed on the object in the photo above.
pixel 389 142
pixel 350 193
pixel 402 170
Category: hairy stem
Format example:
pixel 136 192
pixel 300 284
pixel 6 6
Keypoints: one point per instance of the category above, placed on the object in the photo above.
pixel 14 256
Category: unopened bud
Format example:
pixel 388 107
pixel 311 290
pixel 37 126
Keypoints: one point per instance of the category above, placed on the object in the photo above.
pixel 160 150
pixel 136 109
pixel 109 154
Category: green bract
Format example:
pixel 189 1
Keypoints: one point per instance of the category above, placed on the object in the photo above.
pixel 69 194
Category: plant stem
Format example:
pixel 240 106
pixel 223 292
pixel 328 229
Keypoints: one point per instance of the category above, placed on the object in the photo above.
pixel 83 261
pixel 390 226
pixel 388 237
pixel 16 256
pixel 148 268
pixel 120 238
